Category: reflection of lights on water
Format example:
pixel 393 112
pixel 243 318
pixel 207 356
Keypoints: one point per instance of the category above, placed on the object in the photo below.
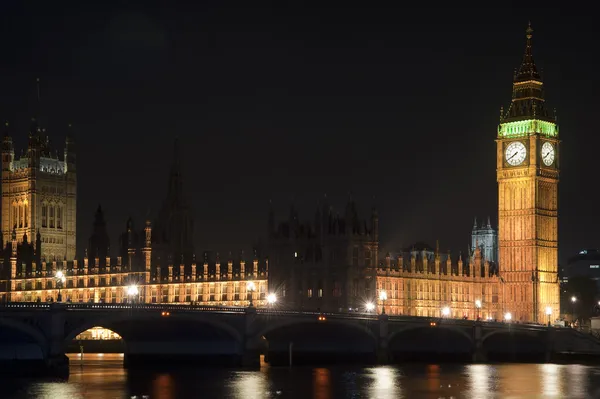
pixel 385 383
pixel 551 383
pixel 479 380
pixel 250 385
pixel 322 384
pixel 578 381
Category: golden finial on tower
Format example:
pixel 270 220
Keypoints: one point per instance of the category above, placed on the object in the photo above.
pixel 529 31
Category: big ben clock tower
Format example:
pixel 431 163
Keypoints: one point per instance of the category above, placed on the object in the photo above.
pixel 527 172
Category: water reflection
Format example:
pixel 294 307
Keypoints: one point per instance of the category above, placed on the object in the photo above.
pixel 551 379
pixel 322 384
pixel 163 387
pixel 578 380
pixel 479 381
pixel 104 377
pixel 250 385
pixel 385 383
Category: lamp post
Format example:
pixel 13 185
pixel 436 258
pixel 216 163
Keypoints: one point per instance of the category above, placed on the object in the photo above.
pixel 548 313
pixel 573 302
pixel 271 299
pixel 250 287
pixel 507 316
pixel 132 292
pixel 369 306
pixel 445 311
pixel 382 298
pixel 60 280
pixel 478 307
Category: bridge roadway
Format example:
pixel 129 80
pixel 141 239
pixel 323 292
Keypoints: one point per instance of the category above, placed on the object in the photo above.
pixel 236 335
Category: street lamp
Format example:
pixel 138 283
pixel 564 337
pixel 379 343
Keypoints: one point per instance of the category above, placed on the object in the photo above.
pixel 370 306
pixel 573 301
pixel 446 311
pixel 478 306
pixel 60 280
pixel 507 316
pixel 548 313
pixel 382 298
pixel 132 292
pixel 250 287
pixel 271 299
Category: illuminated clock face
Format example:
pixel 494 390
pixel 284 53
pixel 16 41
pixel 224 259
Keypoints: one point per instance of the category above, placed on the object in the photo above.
pixel 515 153
pixel 547 153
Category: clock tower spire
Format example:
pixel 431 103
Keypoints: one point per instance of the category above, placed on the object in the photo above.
pixel 527 174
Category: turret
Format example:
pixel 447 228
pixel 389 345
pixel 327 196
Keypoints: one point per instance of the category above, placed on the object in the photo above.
pixel 70 154
pixel 374 224
pixel 147 250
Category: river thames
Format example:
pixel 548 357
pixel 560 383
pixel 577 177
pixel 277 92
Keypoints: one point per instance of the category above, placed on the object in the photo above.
pixel 102 376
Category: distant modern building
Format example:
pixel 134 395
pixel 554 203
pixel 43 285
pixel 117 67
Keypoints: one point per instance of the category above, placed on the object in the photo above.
pixel 585 264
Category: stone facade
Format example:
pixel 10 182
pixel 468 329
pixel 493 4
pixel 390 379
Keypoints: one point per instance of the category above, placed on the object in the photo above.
pixel 39 194
pixel 326 265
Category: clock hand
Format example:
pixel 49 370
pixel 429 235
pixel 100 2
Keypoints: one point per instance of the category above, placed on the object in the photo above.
pixel 513 155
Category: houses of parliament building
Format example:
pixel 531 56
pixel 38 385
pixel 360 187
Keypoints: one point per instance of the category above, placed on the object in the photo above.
pixel 330 263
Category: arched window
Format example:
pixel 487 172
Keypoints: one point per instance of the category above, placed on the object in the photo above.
pixel 44 215
pixel 15 214
pixel 51 215
pixel 59 216
pixel 20 215
pixel 26 208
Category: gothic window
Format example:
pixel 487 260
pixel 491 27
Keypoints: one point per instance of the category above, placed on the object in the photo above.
pixel 337 289
pixel 20 215
pixel 51 216
pixel 367 257
pixel 15 215
pixel 44 215
pixel 59 216
pixel 26 215
pixel 309 293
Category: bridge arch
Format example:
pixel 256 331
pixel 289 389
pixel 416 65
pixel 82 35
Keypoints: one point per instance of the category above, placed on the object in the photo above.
pixel 459 331
pixel 112 322
pixel 290 323
pixel 507 331
pixel 30 331
pixel 309 340
pixel 430 342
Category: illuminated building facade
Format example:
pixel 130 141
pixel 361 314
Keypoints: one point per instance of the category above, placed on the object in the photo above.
pixel 39 197
pixel 333 264
pixel 422 281
pixel 527 173
pixel 159 263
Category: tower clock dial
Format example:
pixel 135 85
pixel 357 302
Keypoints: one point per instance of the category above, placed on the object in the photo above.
pixel 547 153
pixel 515 153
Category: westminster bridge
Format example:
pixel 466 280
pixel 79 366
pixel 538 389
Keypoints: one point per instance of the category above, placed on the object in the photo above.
pixel 239 335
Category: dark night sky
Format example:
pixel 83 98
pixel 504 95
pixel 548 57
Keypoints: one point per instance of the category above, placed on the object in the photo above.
pixel 289 103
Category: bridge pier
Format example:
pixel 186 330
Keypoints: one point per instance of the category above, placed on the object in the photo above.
pixel 478 352
pixel 383 352
pixel 251 348
pixel 57 363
